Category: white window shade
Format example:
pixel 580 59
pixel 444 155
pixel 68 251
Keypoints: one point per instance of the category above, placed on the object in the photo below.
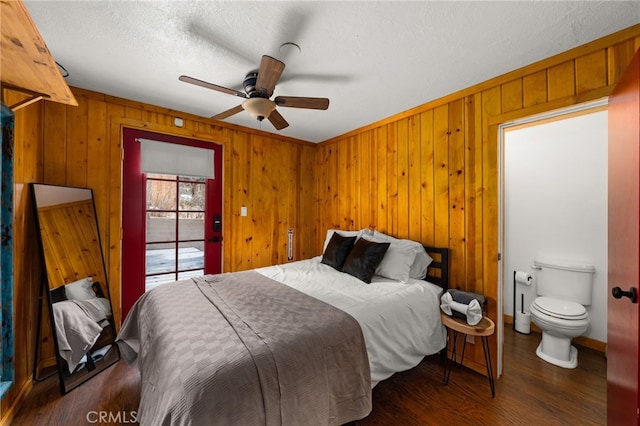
pixel 174 159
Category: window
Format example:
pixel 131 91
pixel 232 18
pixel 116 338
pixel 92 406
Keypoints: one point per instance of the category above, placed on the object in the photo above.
pixel 175 212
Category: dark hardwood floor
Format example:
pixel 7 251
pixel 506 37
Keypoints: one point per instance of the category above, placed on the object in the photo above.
pixel 529 392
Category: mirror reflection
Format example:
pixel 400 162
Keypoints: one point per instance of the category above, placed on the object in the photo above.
pixel 76 284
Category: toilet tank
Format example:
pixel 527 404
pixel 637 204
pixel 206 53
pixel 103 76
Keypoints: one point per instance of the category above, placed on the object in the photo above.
pixel 562 280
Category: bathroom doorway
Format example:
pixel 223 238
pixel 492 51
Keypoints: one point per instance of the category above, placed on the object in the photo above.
pixel 553 194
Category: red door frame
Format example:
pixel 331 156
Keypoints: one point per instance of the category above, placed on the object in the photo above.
pixel 624 248
pixel 134 215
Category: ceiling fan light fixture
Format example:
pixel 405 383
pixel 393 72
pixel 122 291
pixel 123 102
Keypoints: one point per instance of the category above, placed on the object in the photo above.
pixel 259 108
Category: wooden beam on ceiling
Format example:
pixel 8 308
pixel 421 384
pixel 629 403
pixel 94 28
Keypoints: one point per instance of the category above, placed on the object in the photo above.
pixel 26 64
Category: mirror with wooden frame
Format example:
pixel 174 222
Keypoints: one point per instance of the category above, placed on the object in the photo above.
pixel 75 284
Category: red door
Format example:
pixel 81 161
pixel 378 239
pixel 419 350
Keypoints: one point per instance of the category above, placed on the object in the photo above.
pixel 624 249
pixel 135 246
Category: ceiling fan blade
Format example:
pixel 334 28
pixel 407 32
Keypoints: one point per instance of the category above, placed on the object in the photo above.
pixel 211 86
pixel 277 120
pixel 302 102
pixel 228 113
pixel 268 75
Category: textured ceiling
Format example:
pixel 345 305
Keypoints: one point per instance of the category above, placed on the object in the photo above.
pixel 372 59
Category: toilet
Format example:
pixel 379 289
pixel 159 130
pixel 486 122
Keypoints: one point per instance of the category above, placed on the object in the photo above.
pixel 563 289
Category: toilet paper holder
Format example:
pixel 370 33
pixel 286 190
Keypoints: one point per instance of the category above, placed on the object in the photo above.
pixel 523 278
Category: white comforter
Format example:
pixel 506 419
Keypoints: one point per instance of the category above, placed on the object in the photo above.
pixel 400 322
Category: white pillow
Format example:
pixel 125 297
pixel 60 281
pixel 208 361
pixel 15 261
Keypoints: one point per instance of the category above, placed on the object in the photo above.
pixel 80 290
pixel 420 260
pixel 397 260
pixel 358 234
pixel 102 304
pixel 420 265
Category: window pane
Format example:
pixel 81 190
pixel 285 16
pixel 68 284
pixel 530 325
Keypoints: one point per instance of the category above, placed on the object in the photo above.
pixel 191 256
pixel 192 179
pixel 192 196
pixel 156 280
pixel 161 226
pixel 158 176
pixel 161 195
pixel 160 259
pixel 191 226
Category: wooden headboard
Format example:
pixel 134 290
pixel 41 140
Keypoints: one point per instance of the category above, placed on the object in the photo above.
pixel 438 271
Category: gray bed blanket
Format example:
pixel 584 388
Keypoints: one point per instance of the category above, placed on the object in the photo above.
pixel 77 328
pixel 242 349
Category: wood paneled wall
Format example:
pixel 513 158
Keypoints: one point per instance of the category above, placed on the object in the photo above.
pixel 70 240
pixel 431 173
pixel 27 268
pixel 81 146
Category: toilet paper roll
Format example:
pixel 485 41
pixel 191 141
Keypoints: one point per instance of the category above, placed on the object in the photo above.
pixel 523 278
pixel 523 322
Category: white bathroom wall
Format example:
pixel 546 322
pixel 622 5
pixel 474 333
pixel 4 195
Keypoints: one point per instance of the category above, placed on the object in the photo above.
pixel 555 188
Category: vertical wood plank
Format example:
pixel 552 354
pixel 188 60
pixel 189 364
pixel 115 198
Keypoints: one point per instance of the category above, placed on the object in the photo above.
pixel 489 283
pixel 342 196
pixel 55 147
pixel 353 220
pixel 403 179
pixel 97 168
pixel 371 148
pixel 323 194
pixel 618 57
pixel 512 95
pixel 457 191
pixel 441 174
pixel 415 165
pixel 306 204
pixel 366 197
pixel 591 71
pixel 381 172
pixel 534 88
pixel 427 180
pixel 333 209
pixel 77 134
pixel 244 175
pixel 474 191
pixel 113 234
pixel 259 243
pixel 561 80
pixel 134 113
pixel 392 179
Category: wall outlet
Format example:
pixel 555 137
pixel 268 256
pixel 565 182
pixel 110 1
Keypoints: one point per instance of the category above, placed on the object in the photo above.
pixel 243 211
pixel 471 339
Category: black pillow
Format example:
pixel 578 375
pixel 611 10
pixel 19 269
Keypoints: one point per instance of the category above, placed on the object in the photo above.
pixel 364 258
pixel 337 250
pixel 58 294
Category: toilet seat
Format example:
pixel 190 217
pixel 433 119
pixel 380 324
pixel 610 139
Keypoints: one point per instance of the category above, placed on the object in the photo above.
pixel 560 309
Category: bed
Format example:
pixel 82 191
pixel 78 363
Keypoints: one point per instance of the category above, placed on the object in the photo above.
pixel 298 343
pixel 81 313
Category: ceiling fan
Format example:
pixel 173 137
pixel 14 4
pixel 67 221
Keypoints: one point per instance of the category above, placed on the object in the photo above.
pixel 259 85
